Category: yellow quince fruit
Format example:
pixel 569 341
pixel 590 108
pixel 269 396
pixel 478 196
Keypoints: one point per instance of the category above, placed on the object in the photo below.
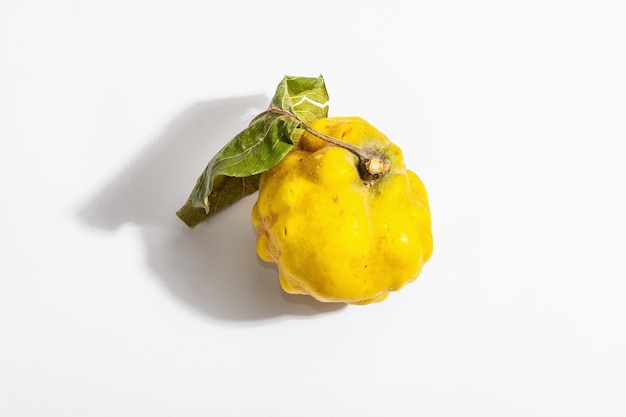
pixel 334 235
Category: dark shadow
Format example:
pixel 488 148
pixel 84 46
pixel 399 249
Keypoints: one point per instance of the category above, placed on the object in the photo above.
pixel 212 268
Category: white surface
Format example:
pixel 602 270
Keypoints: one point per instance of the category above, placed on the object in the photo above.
pixel 511 112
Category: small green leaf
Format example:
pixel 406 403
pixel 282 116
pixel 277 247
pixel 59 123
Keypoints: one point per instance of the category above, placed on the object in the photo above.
pixel 306 97
pixel 234 171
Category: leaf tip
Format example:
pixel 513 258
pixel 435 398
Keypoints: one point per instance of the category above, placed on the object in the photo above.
pixel 191 215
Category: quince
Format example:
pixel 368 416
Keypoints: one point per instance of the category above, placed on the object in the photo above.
pixel 334 235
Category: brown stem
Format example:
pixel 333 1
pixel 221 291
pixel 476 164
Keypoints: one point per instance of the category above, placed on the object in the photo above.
pixel 372 165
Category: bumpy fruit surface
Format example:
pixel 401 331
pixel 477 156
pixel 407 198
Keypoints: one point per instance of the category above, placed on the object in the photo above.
pixel 331 235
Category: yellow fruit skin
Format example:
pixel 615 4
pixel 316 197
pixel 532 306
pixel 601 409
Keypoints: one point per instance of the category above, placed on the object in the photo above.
pixel 332 236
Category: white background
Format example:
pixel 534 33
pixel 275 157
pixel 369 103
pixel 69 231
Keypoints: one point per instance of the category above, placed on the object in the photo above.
pixel 512 113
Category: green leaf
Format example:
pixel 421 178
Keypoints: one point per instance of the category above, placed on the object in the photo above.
pixel 306 97
pixel 234 171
